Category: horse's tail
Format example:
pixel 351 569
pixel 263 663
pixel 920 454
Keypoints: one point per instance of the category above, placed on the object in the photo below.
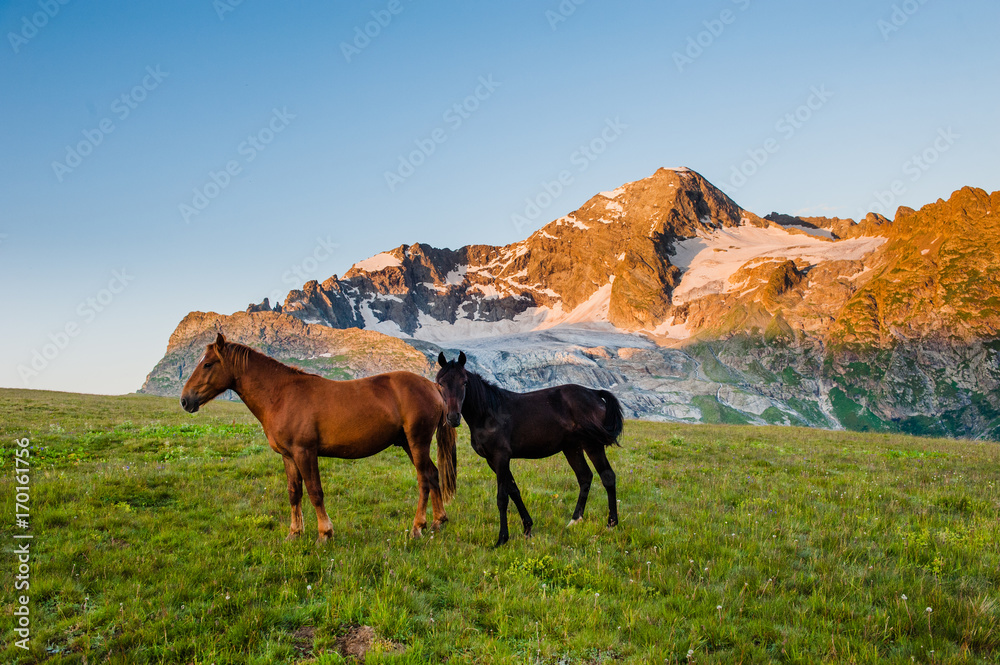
pixel 614 421
pixel 447 459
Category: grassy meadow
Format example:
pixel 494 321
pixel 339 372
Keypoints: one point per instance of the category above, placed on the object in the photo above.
pixel 159 538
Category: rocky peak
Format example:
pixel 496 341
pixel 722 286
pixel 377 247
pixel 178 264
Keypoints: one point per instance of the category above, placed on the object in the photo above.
pixel 938 276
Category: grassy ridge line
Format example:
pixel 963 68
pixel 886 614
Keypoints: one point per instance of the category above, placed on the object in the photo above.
pixel 159 539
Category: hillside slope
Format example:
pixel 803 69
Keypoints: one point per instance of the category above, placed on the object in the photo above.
pixel 335 354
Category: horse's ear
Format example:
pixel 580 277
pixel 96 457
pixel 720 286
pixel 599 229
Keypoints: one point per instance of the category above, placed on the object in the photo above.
pixel 442 360
pixel 461 358
pixel 220 341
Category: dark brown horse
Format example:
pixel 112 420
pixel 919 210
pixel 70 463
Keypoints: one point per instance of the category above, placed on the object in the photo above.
pixel 570 419
pixel 305 416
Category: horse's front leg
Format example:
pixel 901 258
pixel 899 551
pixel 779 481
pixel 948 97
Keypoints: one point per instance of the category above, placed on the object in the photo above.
pixel 502 468
pixel 515 495
pixel 419 450
pixel 308 464
pixel 294 497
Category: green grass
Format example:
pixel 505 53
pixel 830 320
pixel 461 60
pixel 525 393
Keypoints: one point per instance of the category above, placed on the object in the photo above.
pixel 852 415
pixel 159 538
pixel 715 412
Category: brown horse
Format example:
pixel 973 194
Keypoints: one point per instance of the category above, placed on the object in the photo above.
pixel 305 416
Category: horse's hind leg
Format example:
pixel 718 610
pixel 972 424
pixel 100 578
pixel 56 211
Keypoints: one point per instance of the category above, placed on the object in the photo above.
pixel 584 476
pixel 603 466
pixel 294 497
pixel 308 464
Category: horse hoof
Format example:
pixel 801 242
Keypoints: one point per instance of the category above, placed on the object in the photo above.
pixel 322 539
pixel 292 536
pixel 612 523
pixel 575 521
pixel 500 542
pixel 416 532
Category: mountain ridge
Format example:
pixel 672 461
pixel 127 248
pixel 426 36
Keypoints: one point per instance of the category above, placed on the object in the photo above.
pixel 820 321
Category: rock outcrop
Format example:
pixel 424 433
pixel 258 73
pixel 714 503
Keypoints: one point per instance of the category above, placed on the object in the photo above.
pixel 335 354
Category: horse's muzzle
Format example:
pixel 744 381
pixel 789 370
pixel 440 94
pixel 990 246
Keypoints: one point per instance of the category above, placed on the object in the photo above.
pixel 189 405
pixel 454 419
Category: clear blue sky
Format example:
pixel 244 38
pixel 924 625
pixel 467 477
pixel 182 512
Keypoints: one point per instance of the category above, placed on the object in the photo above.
pixel 198 81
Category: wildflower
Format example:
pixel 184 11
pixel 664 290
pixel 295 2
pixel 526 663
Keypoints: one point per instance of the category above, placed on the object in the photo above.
pixel 903 596
pixel 929 610
pixel 309 587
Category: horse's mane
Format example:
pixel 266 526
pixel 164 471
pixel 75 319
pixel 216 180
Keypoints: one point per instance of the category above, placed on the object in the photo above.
pixel 486 397
pixel 237 356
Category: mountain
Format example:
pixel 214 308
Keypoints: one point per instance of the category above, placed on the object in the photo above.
pixel 335 354
pixel 692 308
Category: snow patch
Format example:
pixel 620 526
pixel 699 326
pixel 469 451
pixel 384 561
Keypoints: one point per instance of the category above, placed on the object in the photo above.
pixel 456 276
pixel 572 221
pixel 671 330
pixel 389 327
pixel 614 193
pixel 707 270
pixel 489 291
pixel 377 262
pixel 819 233
pixel 593 310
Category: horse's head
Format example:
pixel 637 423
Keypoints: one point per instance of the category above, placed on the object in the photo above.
pixel 453 379
pixel 209 379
